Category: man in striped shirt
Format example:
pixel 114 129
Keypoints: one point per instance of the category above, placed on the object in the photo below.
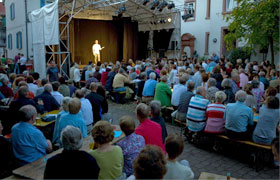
pixel 196 115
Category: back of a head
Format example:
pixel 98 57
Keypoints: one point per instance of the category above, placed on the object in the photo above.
pixel 191 85
pixel 155 107
pixel 152 75
pixel 74 106
pixel 71 138
pixel 22 92
pixel 36 75
pixel 220 96
pixel 93 87
pixel 55 85
pixel 272 102
pixel 226 83
pixel 143 75
pixel 142 111
pixel 200 91
pixel 150 163
pixel 270 91
pixel 48 88
pixel 163 79
pixel 182 80
pixel 65 103
pixel 127 124
pixel 44 81
pixel 174 146
pixel 27 112
pixel 102 132
pixel 240 96
pixel 79 94
pixel 62 80
pixel 211 82
pixel 121 70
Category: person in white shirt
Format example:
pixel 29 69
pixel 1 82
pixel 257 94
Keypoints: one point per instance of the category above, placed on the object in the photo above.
pixel 178 90
pixel 22 62
pixel 96 48
pixel 86 109
pixel 57 95
pixel 77 74
pixel 32 87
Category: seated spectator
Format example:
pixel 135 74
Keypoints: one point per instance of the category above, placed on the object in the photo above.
pixel 5 89
pixel 263 79
pixel 155 116
pixel 30 94
pixel 257 92
pixel 90 80
pixel 250 99
pixel 73 118
pixel 110 79
pixel 109 157
pixel 71 87
pixel 212 89
pixel 65 110
pixel 57 96
pixel 49 101
pixel 29 143
pixel 215 114
pixel 149 164
pixel 235 80
pixel 31 86
pixel 204 79
pixel 104 76
pixel 218 76
pixel 163 92
pixel 151 131
pixel 6 156
pixel 140 85
pixel 16 82
pixel 63 88
pixel 184 102
pixel 149 89
pixel 131 145
pixel 196 115
pixel 243 78
pixel 71 163
pixel 178 89
pixel 132 75
pixel 40 90
pixel 238 116
pixel 119 80
pixel 97 102
pixel 269 118
pixel 97 74
pixel 174 146
pixel 227 85
pixel 36 77
pixel 88 71
pixel 102 92
pixel 86 110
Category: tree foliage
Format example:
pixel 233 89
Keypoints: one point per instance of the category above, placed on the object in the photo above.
pixel 256 22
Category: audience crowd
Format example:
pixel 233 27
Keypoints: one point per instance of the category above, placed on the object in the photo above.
pixel 214 96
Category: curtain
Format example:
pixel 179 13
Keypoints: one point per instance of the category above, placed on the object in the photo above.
pixel 130 41
pixel 161 39
pixel 143 38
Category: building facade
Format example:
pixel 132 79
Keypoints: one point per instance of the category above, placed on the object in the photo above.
pixel 204 23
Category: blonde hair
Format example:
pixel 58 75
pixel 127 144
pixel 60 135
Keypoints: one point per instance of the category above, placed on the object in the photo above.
pixel 74 106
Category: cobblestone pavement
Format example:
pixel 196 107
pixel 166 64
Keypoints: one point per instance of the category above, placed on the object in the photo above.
pixel 200 159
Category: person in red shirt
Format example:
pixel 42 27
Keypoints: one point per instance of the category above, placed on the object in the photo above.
pixel 151 131
pixel 5 89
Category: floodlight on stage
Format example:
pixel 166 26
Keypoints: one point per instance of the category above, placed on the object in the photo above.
pixel 122 9
pixel 154 4
pixel 162 5
pixel 169 19
pixel 170 5
pixel 145 2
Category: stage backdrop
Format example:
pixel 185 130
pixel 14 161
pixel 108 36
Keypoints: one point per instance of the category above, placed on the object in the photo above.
pixel 118 36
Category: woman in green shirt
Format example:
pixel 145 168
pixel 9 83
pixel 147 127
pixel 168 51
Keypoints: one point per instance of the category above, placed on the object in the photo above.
pixel 163 92
pixel 109 157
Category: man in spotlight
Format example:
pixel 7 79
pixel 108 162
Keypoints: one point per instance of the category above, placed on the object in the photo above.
pixel 96 48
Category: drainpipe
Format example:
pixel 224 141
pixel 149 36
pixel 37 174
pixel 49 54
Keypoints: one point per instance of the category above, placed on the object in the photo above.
pixel 26 28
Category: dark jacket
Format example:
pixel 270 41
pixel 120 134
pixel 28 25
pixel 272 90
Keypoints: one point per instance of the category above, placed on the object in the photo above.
pixel 18 103
pixel 97 102
pixel 230 96
pixel 109 82
pixel 7 158
pixel 50 103
pixel 71 165
pixel 140 88
pixel 161 121
pixel 219 79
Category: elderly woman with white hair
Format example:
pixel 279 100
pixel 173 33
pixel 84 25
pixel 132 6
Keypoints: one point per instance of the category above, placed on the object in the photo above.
pixel 149 88
pixel 211 90
pixel 238 117
pixel 215 114
pixel 64 110
pixel 227 85
pixel 71 163
pixel 5 89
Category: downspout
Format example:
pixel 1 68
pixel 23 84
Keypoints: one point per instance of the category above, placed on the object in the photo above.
pixel 26 28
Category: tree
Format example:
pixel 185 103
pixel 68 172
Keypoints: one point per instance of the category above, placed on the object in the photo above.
pixel 256 22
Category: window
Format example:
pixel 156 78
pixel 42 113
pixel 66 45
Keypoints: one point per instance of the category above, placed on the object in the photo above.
pixel 229 5
pixel 19 40
pixel 12 11
pixel 189 7
pixel 10 41
pixel 208 9
pixel 206 51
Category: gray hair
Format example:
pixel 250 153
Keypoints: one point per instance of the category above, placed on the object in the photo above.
pixel 4 78
pixel 65 103
pixel 240 96
pixel 191 85
pixel 27 112
pixel 220 96
pixel 48 88
pixel 226 83
pixel 200 90
pixel 71 138
pixel 163 78
pixel 182 80
pixel 121 70
pixel 155 107
pixel 23 91
pixel 211 82
pixel 142 110
pixel 143 75
pixel 152 75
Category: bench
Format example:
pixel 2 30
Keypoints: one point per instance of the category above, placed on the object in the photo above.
pixel 118 95
pixel 182 125
pixel 258 153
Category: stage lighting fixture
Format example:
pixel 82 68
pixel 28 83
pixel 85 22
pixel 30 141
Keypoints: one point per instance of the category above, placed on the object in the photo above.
pixel 122 9
pixel 145 2
pixel 169 19
pixel 164 21
pixel 158 21
pixel 162 5
pixel 187 16
pixel 170 5
pixel 154 4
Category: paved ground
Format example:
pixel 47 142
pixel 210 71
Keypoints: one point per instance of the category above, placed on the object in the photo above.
pixel 200 159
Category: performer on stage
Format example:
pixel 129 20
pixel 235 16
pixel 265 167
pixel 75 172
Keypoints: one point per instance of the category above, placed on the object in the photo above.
pixel 96 48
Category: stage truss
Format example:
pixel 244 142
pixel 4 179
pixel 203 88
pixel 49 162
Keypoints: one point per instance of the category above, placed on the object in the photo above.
pixel 68 9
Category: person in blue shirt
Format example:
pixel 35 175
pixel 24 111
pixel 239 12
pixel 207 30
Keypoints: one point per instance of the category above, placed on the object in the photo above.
pixel 215 57
pixel 210 66
pixel 29 143
pixel 238 116
pixel 149 88
pixel 73 118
